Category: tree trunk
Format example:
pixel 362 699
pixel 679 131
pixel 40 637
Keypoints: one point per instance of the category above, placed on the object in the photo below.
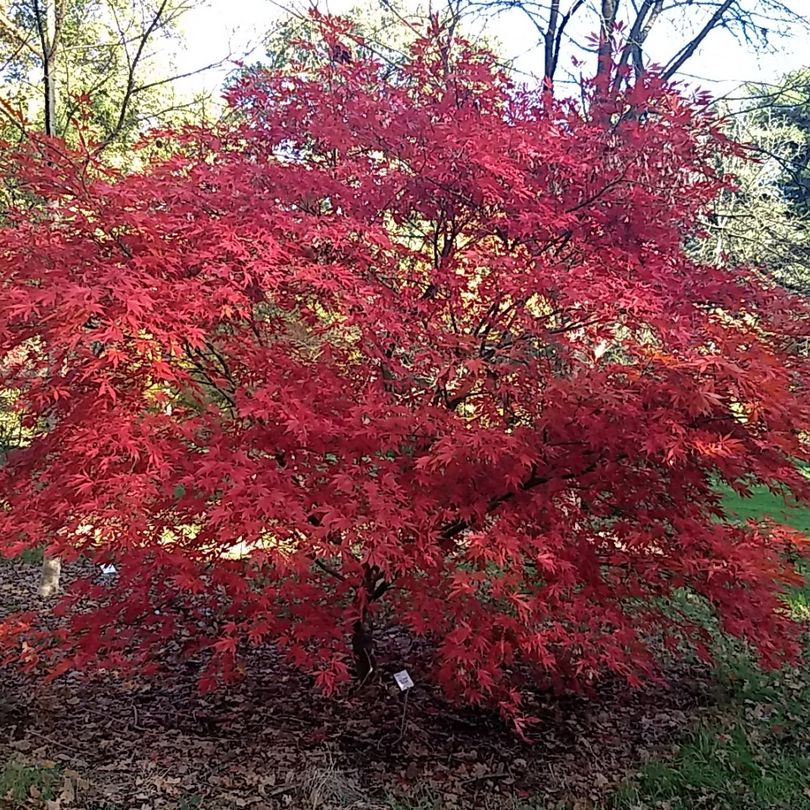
pixel 363 647
pixel 49 72
pixel 604 66
pixel 49 23
pixel 49 16
pixel 51 572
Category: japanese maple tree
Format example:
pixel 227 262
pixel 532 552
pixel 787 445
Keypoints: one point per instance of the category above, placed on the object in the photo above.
pixel 417 346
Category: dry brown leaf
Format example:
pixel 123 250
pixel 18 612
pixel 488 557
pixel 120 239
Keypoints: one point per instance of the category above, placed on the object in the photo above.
pixel 68 794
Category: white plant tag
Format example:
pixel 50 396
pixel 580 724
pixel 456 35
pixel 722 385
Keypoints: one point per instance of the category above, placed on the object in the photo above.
pixel 403 680
pixel 108 570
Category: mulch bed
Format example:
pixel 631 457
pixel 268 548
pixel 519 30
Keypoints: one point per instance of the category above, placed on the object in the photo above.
pixel 273 742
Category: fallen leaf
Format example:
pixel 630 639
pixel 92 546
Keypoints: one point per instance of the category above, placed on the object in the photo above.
pixel 68 794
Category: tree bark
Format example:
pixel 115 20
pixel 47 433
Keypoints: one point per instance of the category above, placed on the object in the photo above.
pixel 49 580
pixel 372 588
pixel 49 19
pixel 49 16
pixel 363 647
pixel 607 21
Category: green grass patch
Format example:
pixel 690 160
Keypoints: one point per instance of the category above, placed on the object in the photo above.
pixel 742 767
pixel 20 783
pixel 32 556
pixel 755 753
pixel 765 504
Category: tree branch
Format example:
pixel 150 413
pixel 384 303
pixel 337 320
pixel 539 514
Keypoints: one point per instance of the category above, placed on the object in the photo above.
pixel 456 527
pixel 133 67
pixel 686 52
pixel 328 569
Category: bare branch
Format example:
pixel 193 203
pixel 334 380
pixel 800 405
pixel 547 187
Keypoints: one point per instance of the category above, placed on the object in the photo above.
pixel 646 16
pixel 133 67
pixel 176 77
pixel 677 62
pixel 9 27
pixel 328 569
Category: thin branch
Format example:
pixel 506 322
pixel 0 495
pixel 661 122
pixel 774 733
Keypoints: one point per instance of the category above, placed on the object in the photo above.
pixel 142 87
pixel 328 569
pixel 686 52
pixel 594 197
pixel 638 33
pixel 456 527
pixel 22 39
pixel 133 66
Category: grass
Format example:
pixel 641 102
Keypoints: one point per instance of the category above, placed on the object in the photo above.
pixel 763 503
pixel 31 556
pixel 755 753
pixel 19 783
pixel 723 769
pixel 423 799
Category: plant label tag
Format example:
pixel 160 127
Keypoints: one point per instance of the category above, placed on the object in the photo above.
pixel 403 680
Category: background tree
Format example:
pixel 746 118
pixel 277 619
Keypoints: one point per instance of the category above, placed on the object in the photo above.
pixel 383 28
pixel 623 29
pixel 106 62
pixel 787 107
pixel 110 60
pixel 763 218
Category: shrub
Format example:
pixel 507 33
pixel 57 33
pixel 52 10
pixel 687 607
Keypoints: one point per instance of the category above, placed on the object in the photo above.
pixel 417 338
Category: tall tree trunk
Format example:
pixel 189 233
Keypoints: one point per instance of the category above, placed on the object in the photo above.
pixel 49 16
pixel 604 67
pixel 49 70
pixel 550 37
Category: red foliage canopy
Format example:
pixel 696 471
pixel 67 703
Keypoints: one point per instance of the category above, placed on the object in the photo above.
pixel 419 345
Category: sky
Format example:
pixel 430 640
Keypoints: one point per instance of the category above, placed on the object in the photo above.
pixel 222 28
